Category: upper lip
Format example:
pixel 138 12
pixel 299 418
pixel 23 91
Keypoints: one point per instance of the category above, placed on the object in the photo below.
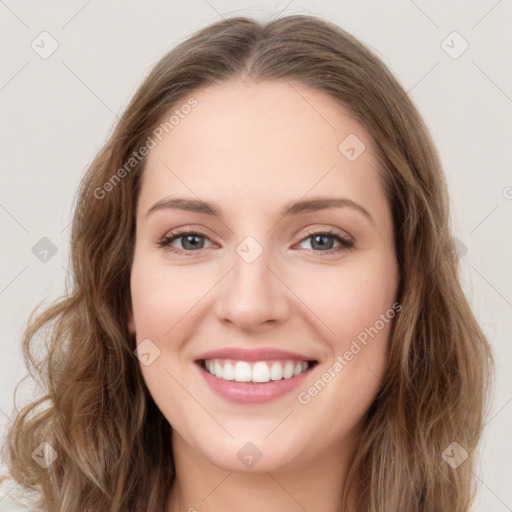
pixel 260 354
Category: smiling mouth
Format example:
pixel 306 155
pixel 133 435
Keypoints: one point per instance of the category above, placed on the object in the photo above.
pixel 257 372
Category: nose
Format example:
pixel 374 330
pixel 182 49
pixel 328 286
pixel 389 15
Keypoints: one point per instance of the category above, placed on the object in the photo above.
pixel 253 296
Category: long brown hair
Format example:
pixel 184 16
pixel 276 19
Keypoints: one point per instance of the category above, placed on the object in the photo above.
pixel 113 445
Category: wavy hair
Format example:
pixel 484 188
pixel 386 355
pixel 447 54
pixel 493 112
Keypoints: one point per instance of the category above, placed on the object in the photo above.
pixel 113 444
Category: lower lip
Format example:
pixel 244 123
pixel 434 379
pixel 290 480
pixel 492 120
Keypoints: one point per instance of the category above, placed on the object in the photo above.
pixel 252 392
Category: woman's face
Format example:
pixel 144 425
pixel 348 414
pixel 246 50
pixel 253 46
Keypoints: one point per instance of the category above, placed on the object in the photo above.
pixel 265 269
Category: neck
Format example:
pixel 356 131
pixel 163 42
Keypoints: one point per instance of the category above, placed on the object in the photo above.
pixel 314 484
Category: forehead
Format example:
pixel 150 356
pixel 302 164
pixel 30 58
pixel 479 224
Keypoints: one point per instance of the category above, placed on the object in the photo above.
pixel 260 142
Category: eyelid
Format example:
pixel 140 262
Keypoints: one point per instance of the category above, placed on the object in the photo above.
pixel 346 240
pixel 177 233
pixel 310 231
pixel 330 231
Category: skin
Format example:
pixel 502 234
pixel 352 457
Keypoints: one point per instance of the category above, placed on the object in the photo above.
pixel 253 148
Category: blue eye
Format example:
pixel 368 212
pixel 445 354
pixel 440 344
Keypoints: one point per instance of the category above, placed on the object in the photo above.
pixel 189 238
pixel 322 242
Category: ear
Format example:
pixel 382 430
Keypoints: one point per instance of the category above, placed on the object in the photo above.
pixel 131 322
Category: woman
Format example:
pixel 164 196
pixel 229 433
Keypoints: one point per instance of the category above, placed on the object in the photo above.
pixel 265 310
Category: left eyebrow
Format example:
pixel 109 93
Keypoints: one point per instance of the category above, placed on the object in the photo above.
pixel 294 208
pixel 323 203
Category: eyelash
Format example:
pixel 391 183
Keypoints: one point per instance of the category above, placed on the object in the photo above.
pixel 346 244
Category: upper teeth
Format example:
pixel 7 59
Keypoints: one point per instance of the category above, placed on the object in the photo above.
pixel 260 371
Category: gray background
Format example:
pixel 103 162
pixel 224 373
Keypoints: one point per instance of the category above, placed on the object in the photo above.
pixel 56 112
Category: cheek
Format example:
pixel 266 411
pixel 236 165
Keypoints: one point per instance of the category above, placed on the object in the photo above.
pixel 163 302
pixel 160 309
pixel 343 300
pixel 160 297
pixel 348 299
pixel 358 311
